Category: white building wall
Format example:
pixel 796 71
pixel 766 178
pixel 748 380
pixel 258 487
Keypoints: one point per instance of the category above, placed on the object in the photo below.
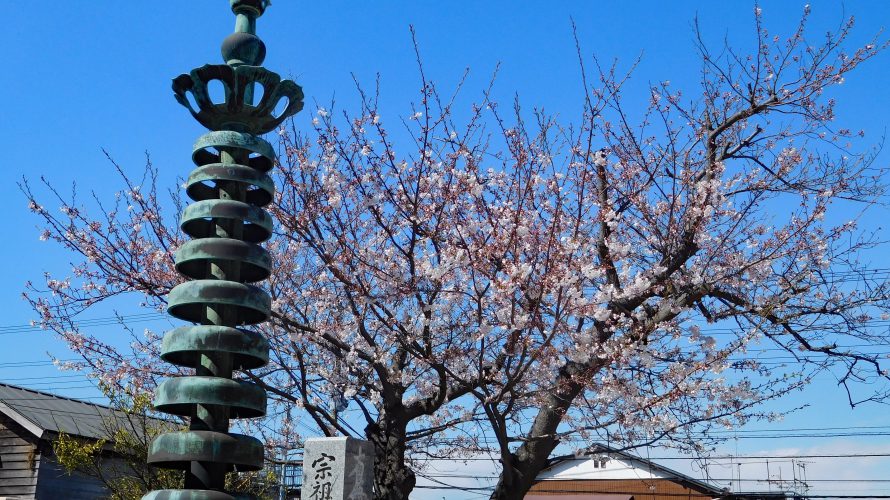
pixel 586 468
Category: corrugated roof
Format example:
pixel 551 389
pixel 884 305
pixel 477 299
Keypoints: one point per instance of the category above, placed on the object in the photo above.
pixel 42 412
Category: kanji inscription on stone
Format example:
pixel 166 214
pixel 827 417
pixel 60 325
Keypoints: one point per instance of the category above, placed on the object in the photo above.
pixel 337 469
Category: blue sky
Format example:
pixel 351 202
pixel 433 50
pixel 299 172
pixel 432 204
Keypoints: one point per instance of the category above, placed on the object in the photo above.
pixel 82 76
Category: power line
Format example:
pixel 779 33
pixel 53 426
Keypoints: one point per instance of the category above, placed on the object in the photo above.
pixel 39 362
pixel 44 399
pixel 779 433
pixel 716 457
pixel 584 476
pixel 48 377
pixel 58 388
pixel 614 492
pixel 100 321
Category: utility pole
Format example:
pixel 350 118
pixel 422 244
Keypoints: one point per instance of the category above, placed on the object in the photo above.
pixel 223 261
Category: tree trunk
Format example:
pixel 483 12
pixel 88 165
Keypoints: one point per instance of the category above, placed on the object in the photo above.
pixel 518 476
pixel 393 479
pixel 532 456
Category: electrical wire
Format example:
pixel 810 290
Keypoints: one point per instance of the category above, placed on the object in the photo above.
pixel 99 321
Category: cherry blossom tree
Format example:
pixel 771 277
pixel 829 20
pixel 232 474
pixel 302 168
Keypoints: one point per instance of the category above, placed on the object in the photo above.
pixel 706 211
pixel 504 282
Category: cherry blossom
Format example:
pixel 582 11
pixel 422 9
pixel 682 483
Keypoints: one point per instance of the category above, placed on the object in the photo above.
pixel 507 282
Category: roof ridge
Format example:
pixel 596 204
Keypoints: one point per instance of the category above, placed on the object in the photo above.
pixel 16 411
pixel 55 396
pixel 626 453
pixel 41 412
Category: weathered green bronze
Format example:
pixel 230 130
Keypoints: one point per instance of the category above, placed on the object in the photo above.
pixel 227 223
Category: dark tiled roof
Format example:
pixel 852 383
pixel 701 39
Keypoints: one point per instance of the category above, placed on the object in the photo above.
pixel 42 413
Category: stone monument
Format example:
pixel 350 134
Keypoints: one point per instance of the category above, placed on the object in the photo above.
pixel 340 468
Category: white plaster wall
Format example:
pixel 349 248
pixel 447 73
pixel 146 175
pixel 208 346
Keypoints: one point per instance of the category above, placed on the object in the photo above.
pixel 583 468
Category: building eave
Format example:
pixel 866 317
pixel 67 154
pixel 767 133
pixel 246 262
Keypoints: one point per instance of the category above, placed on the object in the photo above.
pixel 33 428
pixel 678 476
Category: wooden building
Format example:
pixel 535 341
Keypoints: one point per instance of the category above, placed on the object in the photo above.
pixel 29 422
pixel 603 473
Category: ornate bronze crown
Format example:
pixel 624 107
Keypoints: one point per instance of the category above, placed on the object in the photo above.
pixel 235 113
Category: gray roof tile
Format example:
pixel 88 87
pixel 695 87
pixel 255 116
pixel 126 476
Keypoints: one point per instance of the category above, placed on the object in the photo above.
pixel 54 414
